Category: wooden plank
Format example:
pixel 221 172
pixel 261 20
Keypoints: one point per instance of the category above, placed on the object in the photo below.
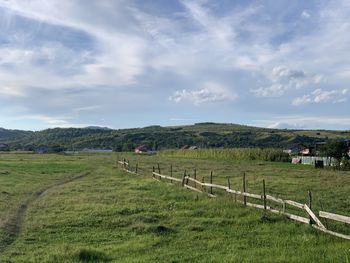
pixel 295 204
pixel 216 186
pixel 314 217
pixel 167 177
pixel 257 206
pixel 336 217
pixel 274 199
pixel 291 216
pixel 253 196
pixel 331 232
pixel 192 188
pixel 244 194
pixel 211 195
pixel 195 181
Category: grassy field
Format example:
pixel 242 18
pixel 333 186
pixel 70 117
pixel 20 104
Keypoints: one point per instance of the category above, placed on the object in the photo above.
pixel 56 208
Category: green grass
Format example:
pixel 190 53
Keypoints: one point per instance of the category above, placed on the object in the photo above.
pixel 266 154
pixel 111 216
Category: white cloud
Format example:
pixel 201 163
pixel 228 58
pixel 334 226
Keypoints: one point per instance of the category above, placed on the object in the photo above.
pixel 284 79
pixel 285 125
pixel 322 96
pixel 303 122
pixel 7 91
pixel 210 93
pixel 305 14
pixel 275 90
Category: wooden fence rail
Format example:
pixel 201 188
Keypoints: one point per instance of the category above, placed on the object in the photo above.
pixel 336 217
pixel 313 220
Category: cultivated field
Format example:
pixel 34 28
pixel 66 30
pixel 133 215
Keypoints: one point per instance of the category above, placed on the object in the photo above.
pixel 57 208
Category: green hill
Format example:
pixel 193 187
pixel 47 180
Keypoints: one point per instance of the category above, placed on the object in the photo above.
pixel 204 135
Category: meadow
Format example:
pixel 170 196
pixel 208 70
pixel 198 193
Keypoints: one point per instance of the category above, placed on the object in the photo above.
pixel 81 208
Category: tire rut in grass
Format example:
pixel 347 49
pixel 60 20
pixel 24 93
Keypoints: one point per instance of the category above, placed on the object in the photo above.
pixel 12 227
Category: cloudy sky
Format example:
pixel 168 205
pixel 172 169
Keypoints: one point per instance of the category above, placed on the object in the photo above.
pixel 134 63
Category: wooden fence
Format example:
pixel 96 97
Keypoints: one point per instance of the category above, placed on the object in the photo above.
pixel 201 186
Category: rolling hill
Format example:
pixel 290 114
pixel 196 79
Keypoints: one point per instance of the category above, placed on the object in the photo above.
pixel 204 135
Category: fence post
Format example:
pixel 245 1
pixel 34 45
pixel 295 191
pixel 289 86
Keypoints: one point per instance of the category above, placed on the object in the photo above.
pixel 264 193
pixel 203 187
pixel 195 177
pixel 158 168
pixel 211 182
pixel 154 169
pixel 171 173
pixel 137 168
pixel 183 179
pixel 229 184
pixel 310 205
pixel 244 190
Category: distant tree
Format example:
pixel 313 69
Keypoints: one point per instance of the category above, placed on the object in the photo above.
pixel 336 149
pixel 56 148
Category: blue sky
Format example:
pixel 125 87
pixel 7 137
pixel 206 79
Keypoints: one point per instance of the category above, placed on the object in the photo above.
pixel 134 63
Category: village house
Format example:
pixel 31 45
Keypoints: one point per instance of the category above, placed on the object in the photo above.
pixel 141 149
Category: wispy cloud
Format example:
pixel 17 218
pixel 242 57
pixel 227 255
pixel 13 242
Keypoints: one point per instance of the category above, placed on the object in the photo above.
pixel 322 96
pixel 210 93
pixel 123 54
pixel 284 79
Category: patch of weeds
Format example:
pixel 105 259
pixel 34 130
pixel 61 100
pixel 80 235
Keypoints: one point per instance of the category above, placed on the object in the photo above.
pixel 268 220
pixel 197 229
pixel 161 230
pixel 89 255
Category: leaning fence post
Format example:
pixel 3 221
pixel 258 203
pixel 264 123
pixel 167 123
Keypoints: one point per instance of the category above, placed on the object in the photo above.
pixel 187 177
pixel 244 190
pixel 211 182
pixel 264 194
pixel 310 205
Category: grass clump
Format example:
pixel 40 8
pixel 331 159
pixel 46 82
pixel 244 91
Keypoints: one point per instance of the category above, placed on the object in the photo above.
pixel 90 255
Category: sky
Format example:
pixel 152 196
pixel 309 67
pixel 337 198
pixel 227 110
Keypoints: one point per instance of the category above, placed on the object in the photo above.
pixel 135 63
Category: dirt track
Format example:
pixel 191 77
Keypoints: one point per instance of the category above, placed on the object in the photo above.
pixel 12 226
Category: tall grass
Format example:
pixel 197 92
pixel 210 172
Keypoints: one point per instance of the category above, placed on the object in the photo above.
pixel 267 154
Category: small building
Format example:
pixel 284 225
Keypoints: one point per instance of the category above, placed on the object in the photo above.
pixel 294 149
pixel 141 149
pixel 308 151
pixel 189 147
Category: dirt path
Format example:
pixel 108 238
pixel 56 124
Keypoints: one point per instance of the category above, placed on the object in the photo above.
pixel 13 226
